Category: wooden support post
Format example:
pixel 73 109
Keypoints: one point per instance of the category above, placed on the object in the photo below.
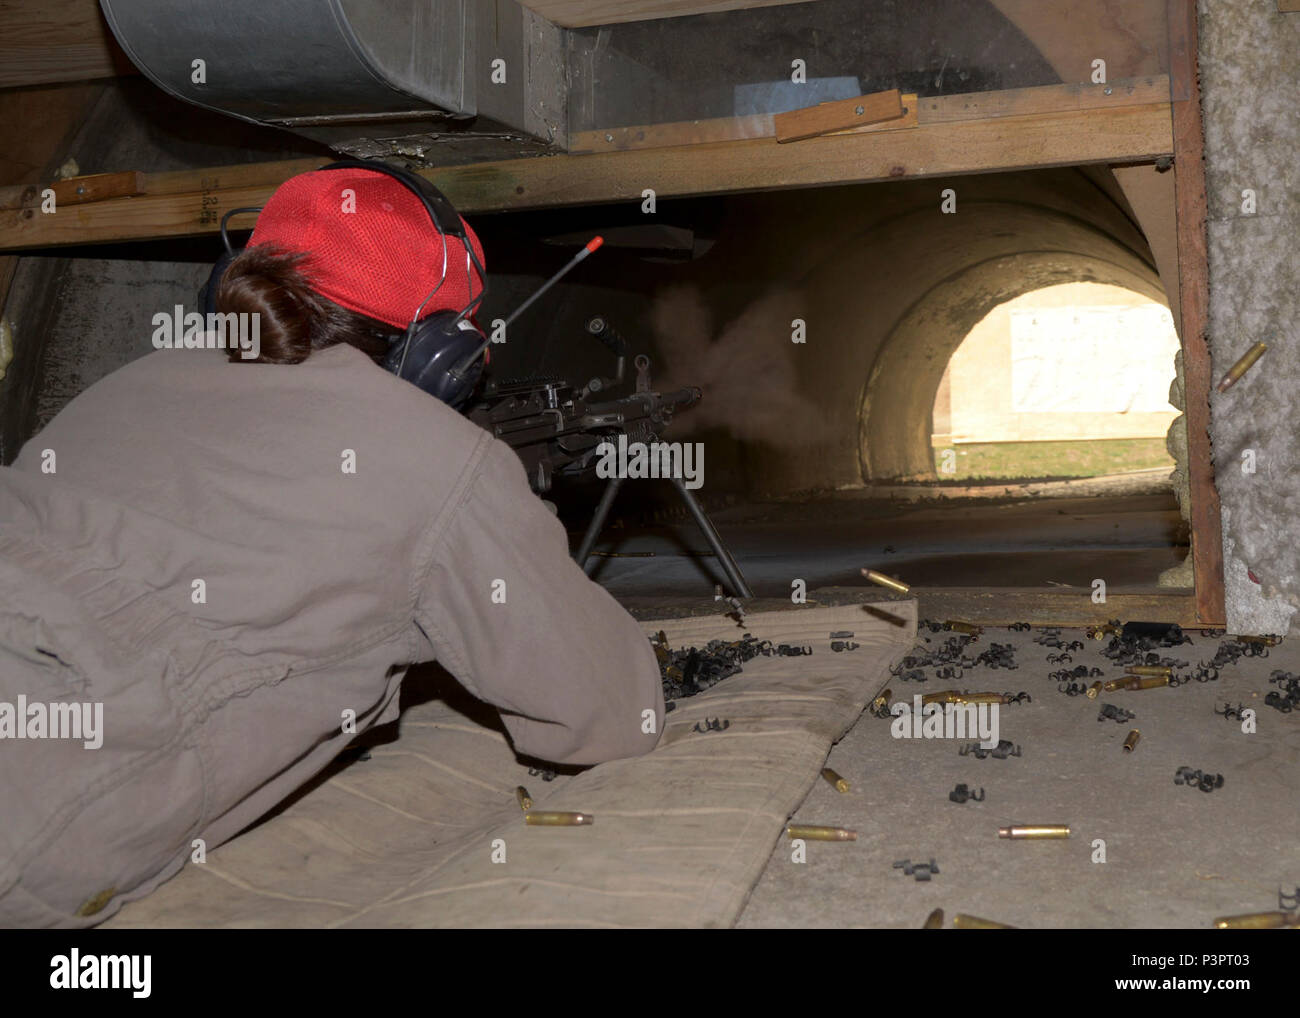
pixel 1193 274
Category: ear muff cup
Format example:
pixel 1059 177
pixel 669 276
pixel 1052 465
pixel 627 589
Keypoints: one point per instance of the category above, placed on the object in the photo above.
pixel 435 353
pixel 208 293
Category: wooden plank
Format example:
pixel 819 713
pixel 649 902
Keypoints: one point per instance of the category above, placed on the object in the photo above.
pixel 1019 102
pixel 993 607
pixel 585 13
pixel 56 41
pixel 713 131
pixel 1016 102
pixel 213 178
pixel 1194 292
pixel 672 134
pixel 1123 134
pixel 840 115
pixel 98 187
pixel 908 120
pixel 1288 5
pixel 987 606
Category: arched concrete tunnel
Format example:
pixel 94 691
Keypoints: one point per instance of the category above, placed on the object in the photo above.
pixel 888 286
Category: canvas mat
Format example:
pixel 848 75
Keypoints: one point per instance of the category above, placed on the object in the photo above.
pixel 406 838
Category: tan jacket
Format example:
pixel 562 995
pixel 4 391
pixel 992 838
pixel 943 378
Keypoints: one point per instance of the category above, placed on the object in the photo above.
pixel 235 559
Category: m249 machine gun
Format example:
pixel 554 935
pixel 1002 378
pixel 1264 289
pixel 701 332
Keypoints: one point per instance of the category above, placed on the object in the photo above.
pixel 558 431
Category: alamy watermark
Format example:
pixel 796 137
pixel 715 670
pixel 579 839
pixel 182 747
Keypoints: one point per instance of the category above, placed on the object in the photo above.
pixel 945 721
pixel 24 720
pixel 77 971
pixel 635 460
pixel 232 330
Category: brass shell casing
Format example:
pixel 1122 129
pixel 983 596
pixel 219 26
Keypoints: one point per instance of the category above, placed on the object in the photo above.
pixel 812 833
pixel 934 921
pixel 1034 831
pixel 1246 362
pixel 552 818
pixel 839 784
pixel 886 581
pixel 1146 682
pixel 970 922
pixel 524 799
pixel 1131 742
pixel 1094 690
pixel 1258 921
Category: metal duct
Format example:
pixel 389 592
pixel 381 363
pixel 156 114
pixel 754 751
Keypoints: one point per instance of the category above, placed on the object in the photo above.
pixel 375 74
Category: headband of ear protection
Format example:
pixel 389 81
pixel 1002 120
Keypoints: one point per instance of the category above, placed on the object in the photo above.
pixel 443 353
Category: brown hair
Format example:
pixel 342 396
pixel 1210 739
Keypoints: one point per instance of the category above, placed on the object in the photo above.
pixel 294 320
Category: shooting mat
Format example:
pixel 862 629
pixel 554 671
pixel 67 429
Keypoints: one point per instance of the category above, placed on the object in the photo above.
pixel 406 838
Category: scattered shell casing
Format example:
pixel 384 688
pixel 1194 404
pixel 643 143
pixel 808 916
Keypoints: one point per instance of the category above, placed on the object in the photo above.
pixel 886 581
pixel 979 698
pixel 1132 740
pixel 969 628
pixel 1110 685
pixel 1164 670
pixel 945 696
pixel 970 922
pixel 553 818
pixel 836 781
pixel 525 800
pixel 1094 689
pixel 1257 921
pixel 1145 682
pixel 1267 641
pixel 1243 365
pixel 934 921
pixel 882 701
pixel 1034 831
pixel 811 833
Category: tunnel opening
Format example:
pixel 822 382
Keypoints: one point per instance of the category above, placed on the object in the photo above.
pixel 820 324
pixel 1064 382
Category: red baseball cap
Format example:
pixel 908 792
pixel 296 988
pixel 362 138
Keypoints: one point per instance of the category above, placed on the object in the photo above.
pixel 370 244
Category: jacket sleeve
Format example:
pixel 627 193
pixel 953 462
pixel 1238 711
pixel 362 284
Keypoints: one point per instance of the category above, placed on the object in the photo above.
pixel 512 617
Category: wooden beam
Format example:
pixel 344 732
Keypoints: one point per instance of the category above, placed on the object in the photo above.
pixel 1019 102
pixel 1016 102
pixel 1194 292
pixel 57 40
pixel 1120 134
pixel 712 132
pixel 839 115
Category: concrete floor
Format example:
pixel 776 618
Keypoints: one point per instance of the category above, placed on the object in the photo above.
pixel 1175 856
pixel 1128 540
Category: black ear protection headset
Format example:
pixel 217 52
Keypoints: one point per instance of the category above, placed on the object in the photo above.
pixel 442 354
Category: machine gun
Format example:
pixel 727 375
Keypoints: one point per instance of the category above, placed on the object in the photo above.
pixel 558 431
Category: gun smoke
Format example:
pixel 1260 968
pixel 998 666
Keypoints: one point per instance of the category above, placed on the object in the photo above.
pixel 747 370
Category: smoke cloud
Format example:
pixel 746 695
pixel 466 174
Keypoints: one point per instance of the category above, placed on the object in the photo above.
pixel 747 369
